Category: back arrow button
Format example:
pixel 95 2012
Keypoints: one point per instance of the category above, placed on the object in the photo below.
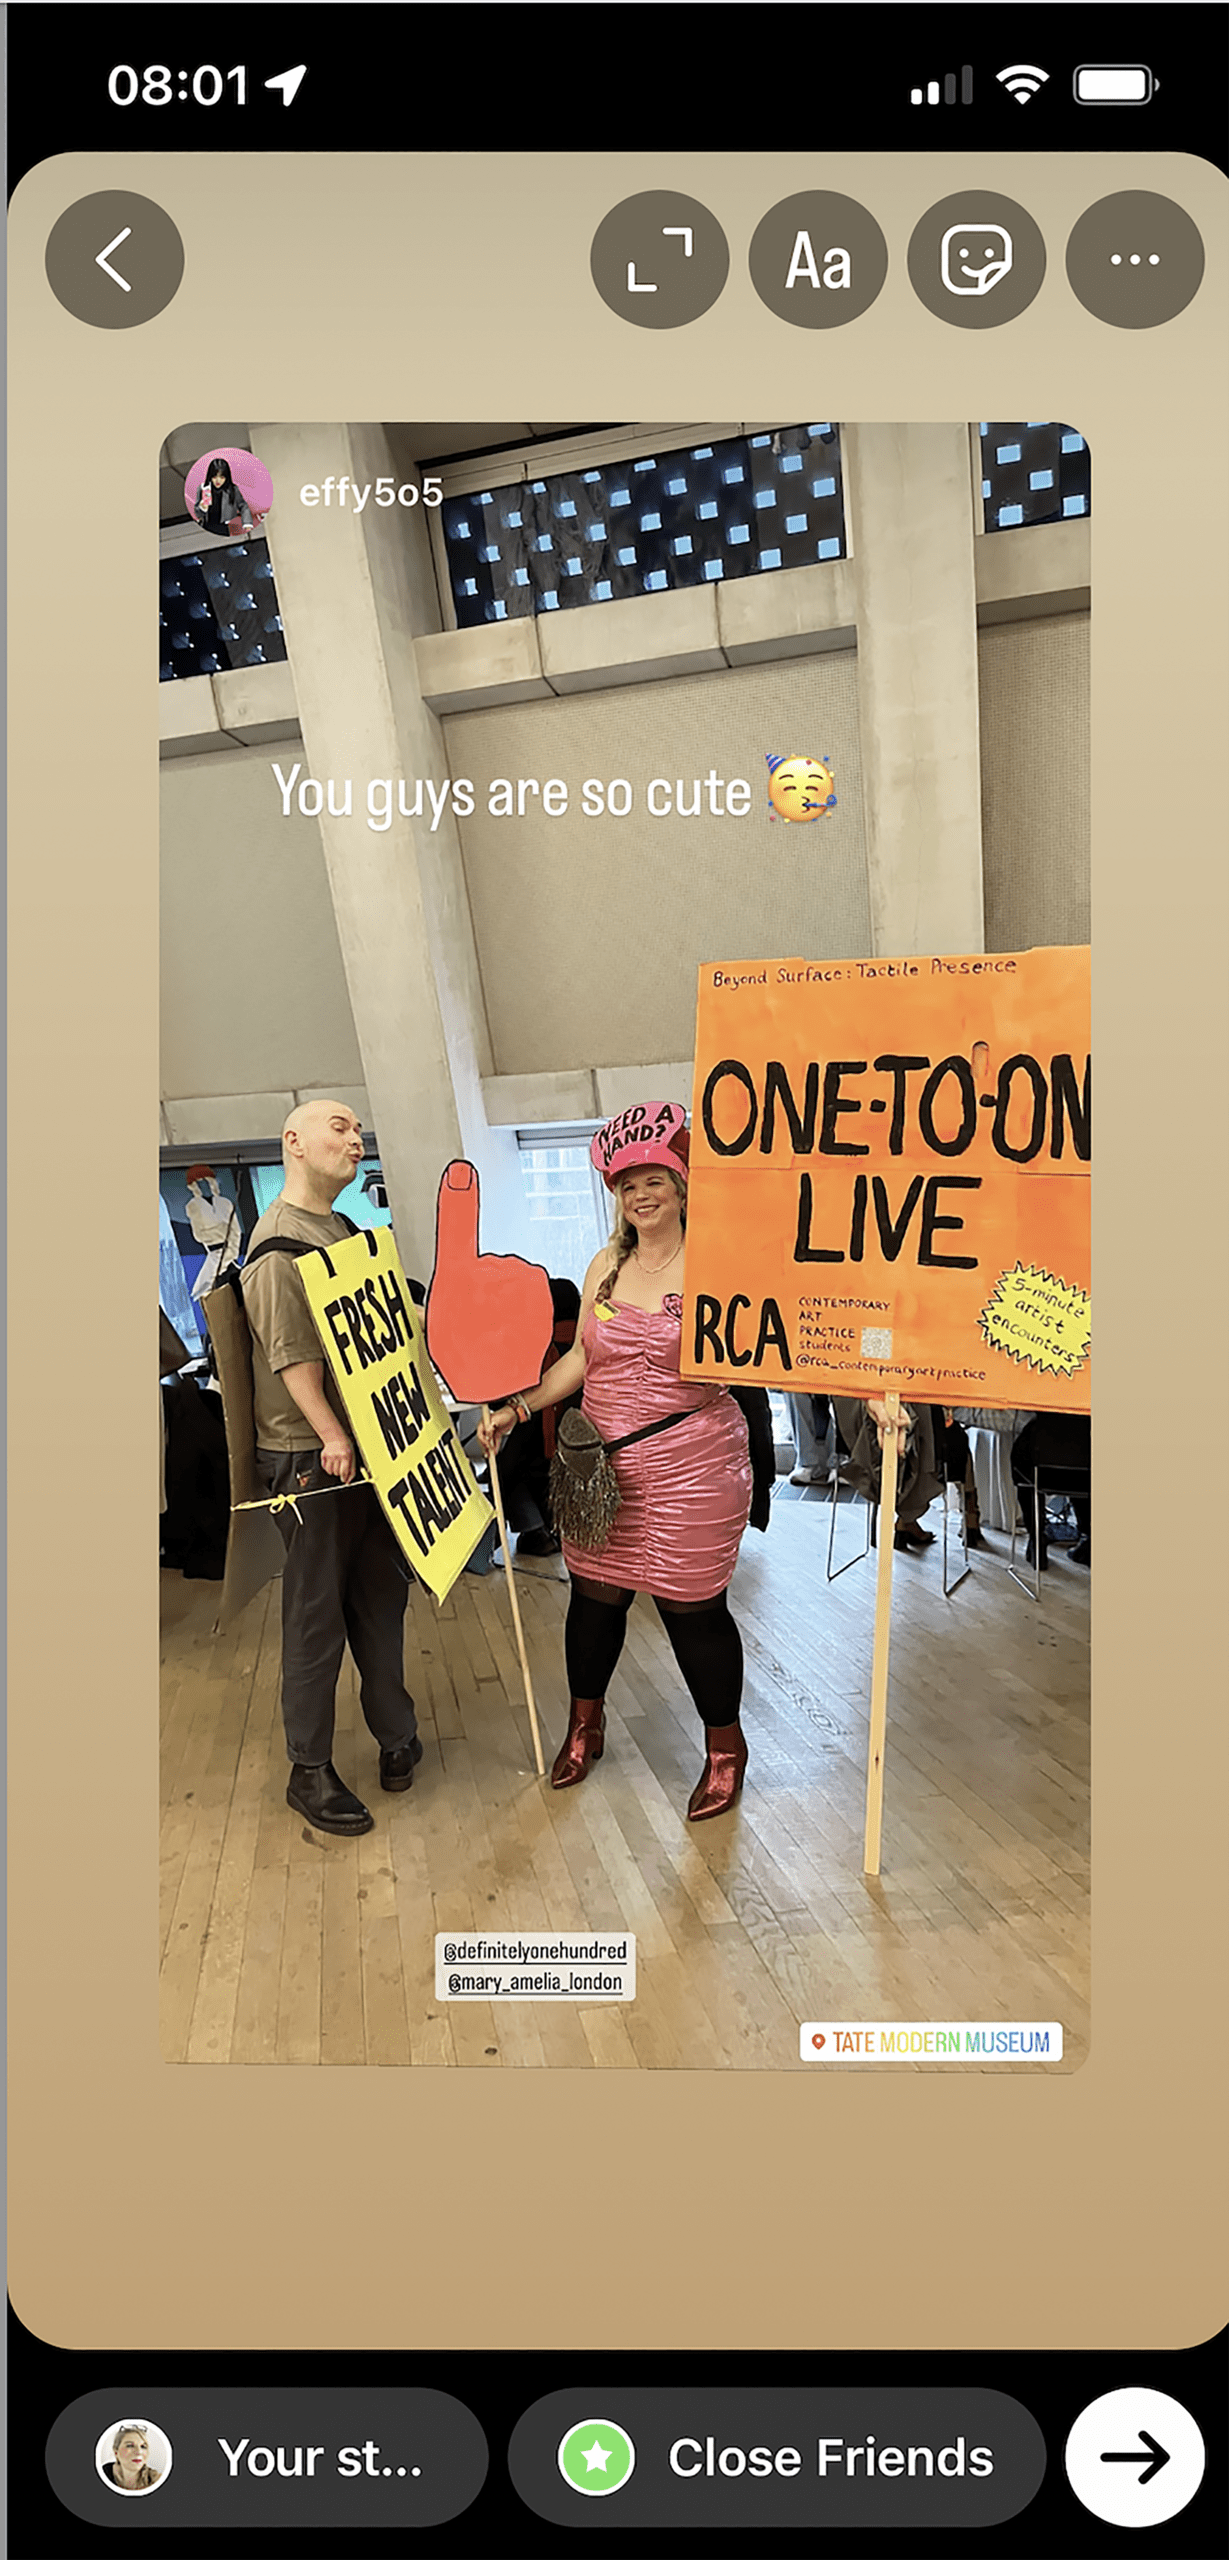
pixel 104 254
pixel 80 272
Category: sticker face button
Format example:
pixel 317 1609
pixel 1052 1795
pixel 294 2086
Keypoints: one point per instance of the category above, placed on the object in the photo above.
pixel 976 260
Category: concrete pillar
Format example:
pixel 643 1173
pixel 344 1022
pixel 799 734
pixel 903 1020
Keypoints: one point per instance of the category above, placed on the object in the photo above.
pixel 355 591
pixel 909 496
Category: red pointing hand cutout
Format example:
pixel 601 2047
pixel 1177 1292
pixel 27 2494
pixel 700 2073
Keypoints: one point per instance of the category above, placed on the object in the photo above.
pixel 490 1316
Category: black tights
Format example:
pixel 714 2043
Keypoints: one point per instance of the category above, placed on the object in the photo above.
pixel 706 1644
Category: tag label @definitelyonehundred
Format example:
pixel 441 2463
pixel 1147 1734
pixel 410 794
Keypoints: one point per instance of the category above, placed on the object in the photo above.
pixel 557 1964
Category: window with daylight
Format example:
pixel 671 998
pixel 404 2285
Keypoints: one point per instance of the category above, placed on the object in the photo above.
pixel 218 609
pixel 1033 472
pixel 569 1206
pixel 640 527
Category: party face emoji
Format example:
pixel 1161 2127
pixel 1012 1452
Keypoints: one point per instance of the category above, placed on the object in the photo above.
pixel 800 787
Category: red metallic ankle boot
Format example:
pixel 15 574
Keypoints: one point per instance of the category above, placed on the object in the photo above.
pixel 585 1741
pixel 722 1775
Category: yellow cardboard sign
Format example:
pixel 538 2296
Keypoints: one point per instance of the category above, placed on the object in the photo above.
pixel 373 1342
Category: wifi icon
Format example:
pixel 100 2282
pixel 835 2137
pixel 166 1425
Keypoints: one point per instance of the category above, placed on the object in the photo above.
pixel 1022 80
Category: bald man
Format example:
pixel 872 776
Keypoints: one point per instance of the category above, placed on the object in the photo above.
pixel 344 1576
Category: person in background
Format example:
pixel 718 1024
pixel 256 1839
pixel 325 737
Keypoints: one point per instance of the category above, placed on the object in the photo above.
pixel 215 1224
pixel 861 1424
pixel 524 1470
pixel 990 1431
pixel 954 1461
pixel 1054 1451
pixel 812 1424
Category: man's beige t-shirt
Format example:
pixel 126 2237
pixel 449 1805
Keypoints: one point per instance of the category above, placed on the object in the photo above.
pixel 281 1328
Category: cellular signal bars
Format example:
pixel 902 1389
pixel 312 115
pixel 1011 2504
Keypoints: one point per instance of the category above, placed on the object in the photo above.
pixel 943 92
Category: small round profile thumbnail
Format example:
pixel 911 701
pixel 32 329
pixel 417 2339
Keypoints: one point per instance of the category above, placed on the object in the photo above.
pixel 228 492
pixel 133 2457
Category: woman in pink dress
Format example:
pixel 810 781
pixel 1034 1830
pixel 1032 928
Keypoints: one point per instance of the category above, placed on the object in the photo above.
pixel 685 1489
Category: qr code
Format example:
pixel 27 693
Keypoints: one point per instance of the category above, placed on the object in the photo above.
pixel 876 1342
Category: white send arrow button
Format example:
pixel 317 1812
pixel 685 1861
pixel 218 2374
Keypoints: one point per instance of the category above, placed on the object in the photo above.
pixel 104 254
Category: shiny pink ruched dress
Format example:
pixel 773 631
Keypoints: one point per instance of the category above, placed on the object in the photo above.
pixel 686 1493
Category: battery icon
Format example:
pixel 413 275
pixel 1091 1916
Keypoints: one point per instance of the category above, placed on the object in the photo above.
pixel 1113 84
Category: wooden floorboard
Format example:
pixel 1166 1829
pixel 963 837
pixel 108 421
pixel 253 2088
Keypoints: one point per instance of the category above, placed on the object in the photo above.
pixel 279 1944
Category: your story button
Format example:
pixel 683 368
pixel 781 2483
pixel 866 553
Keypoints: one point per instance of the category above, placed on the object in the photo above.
pixel 239 2458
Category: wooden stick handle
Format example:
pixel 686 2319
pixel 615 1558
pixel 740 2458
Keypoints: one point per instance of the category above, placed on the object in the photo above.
pixel 879 1661
pixel 497 1490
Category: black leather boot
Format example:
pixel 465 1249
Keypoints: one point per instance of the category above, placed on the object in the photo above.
pixel 319 1795
pixel 397 1767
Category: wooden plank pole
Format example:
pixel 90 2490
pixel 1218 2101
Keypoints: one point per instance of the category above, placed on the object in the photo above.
pixel 497 1490
pixel 879 1659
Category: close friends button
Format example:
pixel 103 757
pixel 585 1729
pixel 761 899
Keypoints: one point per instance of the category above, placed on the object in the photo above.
pixel 712 2457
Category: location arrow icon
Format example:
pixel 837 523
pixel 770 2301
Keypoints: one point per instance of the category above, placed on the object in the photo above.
pixel 1155 2456
pixel 287 82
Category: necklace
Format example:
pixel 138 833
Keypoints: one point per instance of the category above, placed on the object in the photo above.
pixel 651 1269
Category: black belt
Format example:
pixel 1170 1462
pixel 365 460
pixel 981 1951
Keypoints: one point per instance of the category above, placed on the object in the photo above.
pixel 646 1432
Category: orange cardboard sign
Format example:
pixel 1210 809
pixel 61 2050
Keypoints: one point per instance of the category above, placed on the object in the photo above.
pixel 890 1178
pixel 489 1316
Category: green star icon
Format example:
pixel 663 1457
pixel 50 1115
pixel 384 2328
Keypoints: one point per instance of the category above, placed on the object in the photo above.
pixel 597 2457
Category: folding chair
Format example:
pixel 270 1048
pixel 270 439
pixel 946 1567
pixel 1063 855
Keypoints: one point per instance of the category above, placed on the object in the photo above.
pixel 872 1507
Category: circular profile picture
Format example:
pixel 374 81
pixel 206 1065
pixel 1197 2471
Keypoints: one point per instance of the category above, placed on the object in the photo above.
pixel 228 492
pixel 133 2458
